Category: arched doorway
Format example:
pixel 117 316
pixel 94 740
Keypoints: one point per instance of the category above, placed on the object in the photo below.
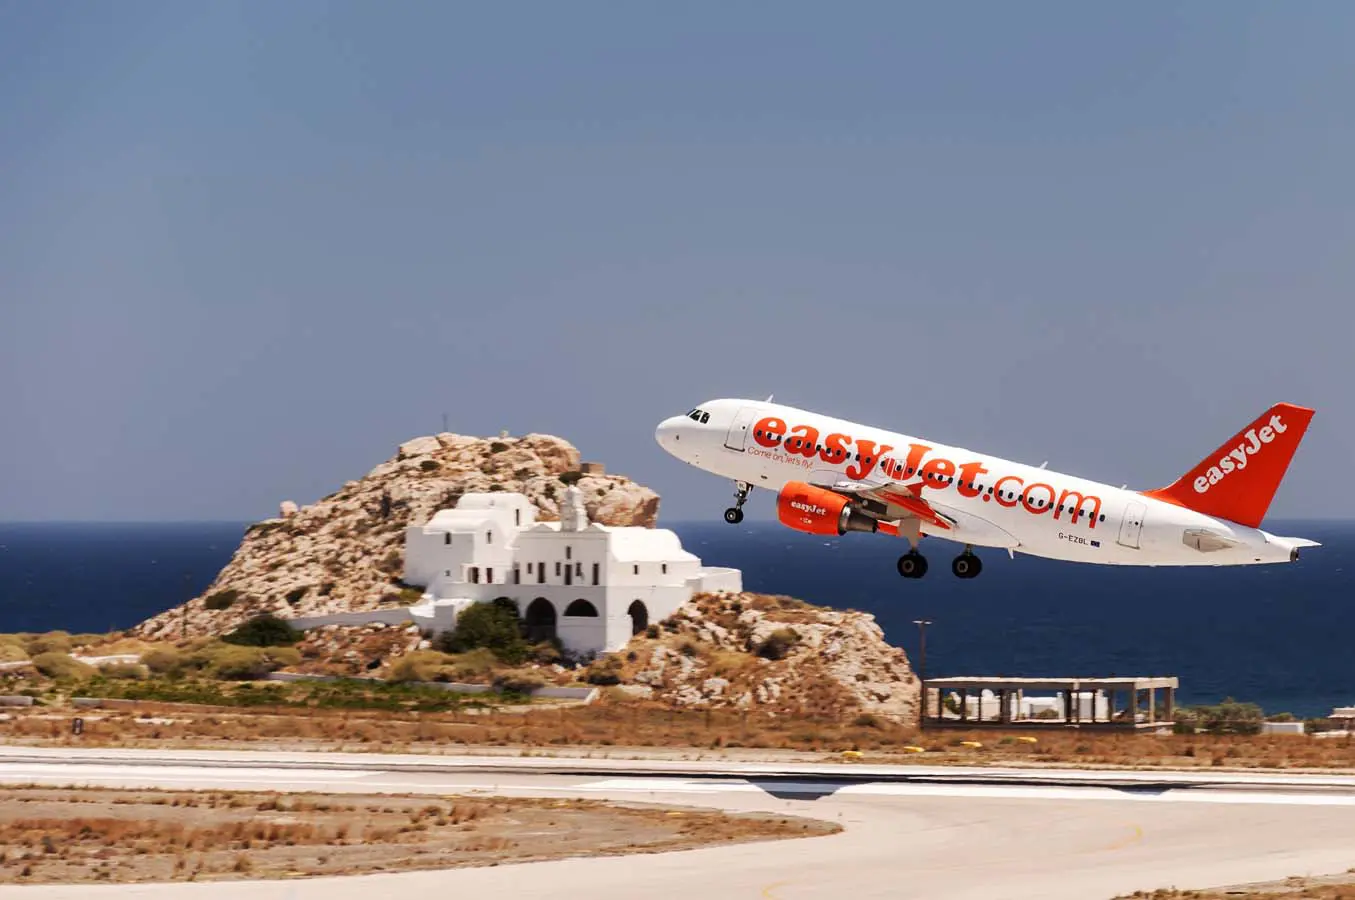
pixel 582 608
pixel 539 624
pixel 509 604
pixel 639 617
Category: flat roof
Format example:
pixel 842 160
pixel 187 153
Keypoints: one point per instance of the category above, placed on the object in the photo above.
pixel 1126 683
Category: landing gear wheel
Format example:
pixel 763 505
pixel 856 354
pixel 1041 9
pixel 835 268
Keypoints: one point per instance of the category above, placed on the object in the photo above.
pixel 734 515
pixel 912 565
pixel 966 565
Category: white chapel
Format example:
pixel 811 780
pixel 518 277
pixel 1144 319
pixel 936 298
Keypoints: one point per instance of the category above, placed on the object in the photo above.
pixel 593 586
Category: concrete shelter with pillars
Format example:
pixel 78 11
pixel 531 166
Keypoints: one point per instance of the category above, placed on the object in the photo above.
pixel 1128 703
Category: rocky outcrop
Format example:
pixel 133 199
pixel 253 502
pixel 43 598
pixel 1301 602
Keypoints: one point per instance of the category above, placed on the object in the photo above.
pixel 346 552
pixel 770 653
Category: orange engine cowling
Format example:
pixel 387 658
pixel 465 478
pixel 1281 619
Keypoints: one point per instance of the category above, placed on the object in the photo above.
pixel 815 510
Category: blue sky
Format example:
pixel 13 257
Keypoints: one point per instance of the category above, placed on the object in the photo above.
pixel 248 248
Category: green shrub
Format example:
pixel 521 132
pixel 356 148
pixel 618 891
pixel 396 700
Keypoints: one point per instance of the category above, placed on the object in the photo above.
pixel 498 447
pixel 547 652
pixel 12 653
pixel 61 666
pixel 778 644
pixel 295 594
pixel 605 670
pixel 221 599
pixel 124 671
pixel 473 665
pixel 89 638
pixel 492 626
pixel 430 465
pixel 411 595
pixel 284 656
pixel 421 665
pixel 240 663
pixel 263 631
pixel 163 660
pixel 1228 717
pixel 51 642
pixel 568 478
pixel 519 683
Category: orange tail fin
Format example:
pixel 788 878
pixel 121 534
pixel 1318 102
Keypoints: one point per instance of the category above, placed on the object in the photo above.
pixel 1237 481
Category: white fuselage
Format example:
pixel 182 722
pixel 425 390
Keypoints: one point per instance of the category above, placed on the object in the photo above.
pixel 994 502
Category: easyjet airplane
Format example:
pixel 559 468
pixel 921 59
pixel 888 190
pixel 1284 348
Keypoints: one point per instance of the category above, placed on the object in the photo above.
pixel 832 477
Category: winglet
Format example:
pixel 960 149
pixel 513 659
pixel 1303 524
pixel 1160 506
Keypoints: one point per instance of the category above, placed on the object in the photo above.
pixel 1238 480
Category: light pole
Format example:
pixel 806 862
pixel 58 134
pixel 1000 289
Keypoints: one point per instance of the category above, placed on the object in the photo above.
pixel 922 667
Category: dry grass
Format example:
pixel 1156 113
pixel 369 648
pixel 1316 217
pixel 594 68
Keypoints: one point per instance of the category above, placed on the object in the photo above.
pixel 60 836
pixel 611 723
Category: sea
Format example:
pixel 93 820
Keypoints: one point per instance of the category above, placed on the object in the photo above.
pixel 1281 636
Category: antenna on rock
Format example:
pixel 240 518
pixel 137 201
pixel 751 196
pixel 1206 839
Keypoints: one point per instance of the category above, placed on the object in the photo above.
pixel 444 423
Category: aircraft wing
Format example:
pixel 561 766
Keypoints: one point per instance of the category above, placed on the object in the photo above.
pixel 894 501
pixel 901 509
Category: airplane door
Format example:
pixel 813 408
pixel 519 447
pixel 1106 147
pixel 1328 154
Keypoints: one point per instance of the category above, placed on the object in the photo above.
pixel 1132 525
pixel 737 438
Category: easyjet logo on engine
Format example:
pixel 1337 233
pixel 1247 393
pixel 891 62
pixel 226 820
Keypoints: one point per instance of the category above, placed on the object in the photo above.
pixel 1236 460
pixel 934 473
pixel 809 508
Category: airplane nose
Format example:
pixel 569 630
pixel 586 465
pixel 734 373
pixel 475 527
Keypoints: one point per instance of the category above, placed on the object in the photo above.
pixel 667 432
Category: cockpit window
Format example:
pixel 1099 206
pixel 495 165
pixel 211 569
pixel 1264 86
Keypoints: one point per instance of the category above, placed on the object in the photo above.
pixel 698 415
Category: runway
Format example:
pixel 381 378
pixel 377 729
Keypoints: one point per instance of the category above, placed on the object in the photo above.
pixel 910 831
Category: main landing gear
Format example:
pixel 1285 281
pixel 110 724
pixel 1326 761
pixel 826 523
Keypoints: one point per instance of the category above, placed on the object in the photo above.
pixel 734 515
pixel 914 565
pixel 966 565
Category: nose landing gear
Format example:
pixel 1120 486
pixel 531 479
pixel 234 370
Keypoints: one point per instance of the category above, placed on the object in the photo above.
pixel 734 515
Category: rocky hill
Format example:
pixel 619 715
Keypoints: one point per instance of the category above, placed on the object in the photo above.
pixel 748 651
pixel 771 653
pixel 346 552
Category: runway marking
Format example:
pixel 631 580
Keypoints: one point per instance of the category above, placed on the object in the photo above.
pixel 283 779
pixel 116 771
pixel 965 791
pixel 1134 837
pixel 767 891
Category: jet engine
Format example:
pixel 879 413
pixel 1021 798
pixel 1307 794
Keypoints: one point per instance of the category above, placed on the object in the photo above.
pixel 815 510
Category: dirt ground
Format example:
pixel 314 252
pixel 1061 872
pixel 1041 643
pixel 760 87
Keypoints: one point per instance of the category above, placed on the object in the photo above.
pixel 1335 887
pixel 91 835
